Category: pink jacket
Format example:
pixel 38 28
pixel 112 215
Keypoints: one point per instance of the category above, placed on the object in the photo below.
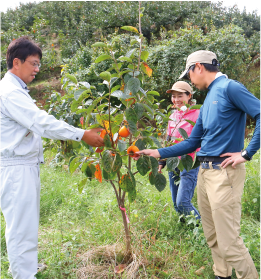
pixel 173 127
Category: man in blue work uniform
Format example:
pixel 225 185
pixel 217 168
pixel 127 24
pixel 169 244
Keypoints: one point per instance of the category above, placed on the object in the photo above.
pixel 219 131
pixel 22 125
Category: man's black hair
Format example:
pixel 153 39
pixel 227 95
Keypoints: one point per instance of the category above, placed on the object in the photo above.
pixel 208 67
pixel 21 48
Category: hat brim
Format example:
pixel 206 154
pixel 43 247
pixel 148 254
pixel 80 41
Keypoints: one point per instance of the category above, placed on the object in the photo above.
pixel 173 90
pixel 184 75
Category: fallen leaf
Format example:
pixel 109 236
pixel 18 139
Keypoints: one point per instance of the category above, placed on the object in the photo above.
pixel 119 268
pixel 200 270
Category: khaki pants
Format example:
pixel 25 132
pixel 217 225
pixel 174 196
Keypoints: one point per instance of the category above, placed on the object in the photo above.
pixel 219 202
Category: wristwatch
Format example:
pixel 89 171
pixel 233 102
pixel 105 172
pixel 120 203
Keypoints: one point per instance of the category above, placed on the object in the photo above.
pixel 245 155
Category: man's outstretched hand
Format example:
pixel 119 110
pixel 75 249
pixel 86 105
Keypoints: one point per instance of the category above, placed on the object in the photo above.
pixel 148 152
pixel 92 138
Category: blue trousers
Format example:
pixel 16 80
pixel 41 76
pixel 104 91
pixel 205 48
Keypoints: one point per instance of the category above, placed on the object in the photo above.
pixel 183 193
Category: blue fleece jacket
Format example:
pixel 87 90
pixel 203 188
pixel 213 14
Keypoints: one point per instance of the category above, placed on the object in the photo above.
pixel 220 126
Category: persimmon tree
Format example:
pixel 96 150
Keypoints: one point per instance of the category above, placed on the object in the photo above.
pixel 125 112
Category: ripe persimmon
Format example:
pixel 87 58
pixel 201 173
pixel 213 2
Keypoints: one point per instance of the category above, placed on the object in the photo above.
pixel 103 133
pixel 124 131
pixel 132 150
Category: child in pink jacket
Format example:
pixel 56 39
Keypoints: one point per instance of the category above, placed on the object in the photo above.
pixel 182 194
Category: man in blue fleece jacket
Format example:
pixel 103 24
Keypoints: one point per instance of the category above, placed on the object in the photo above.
pixel 219 131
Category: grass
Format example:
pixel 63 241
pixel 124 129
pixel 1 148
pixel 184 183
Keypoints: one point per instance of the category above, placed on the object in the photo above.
pixel 72 224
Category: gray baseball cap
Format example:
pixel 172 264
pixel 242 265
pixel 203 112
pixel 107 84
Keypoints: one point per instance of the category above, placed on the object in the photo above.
pixel 201 56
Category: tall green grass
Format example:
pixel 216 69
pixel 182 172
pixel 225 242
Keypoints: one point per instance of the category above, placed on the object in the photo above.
pixel 72 223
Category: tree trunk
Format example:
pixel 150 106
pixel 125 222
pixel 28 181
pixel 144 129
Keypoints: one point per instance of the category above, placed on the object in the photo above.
pixel 127 233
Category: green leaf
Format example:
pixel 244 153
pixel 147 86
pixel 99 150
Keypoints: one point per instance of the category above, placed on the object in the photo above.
pixel 108 176
pixel 132 127
pixel 131 115
pixel 143 165
pixel 148 109
pixel 133 85
pixel 144 55
pixel 70 160
pixel 96 125
pixel 89 171
pixel 156 141
pixel 142 123
pixel 102 58
pixel 85 144
pixel 118 119
pixel 90 108
pixel 84 166
pixel 151 99
pixel 99 44
pixel 143 92
pixel 160 182
pixel 74 106
pixel 113 79
pixel 183 133
pixel 134 74
pixel 79 92
pixel 187 162
pixel 126 183
pixel 76 145
pixel 125 58
pixel 107 141
pixel 154 165
pixel 119 94
pixel 132 195
pixel 198 106
pixel 101 118
pixel 71 77
pixel 189 121
pixel 126 79
pixel 140 144
pixel 122 145
pixel 180 166
pixel 80 111
pixel 152 178
pixel 115 88
pixel 81 185
pixel 132 177
pixel 105 76
pixel 130 52
pixel 107 160
pixel 139 109
pixel 116 163
pixel 196 162
pixel 172 163
pixel 86 85
pixel 130 28
pixel 74 165
pixel 153 92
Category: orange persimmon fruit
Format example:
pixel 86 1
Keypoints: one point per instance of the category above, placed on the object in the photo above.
pixel 103 133
pixel 132 150
pixel 124 131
